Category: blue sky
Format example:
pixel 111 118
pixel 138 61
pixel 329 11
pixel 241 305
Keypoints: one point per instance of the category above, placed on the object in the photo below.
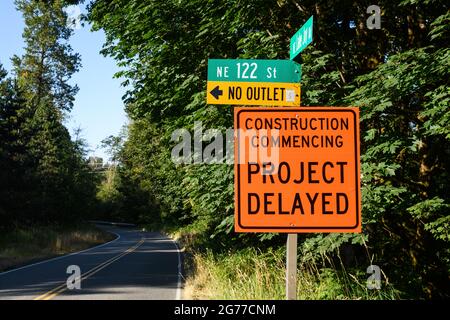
pixel 98 108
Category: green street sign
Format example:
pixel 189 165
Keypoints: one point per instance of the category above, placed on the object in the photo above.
pixel 251 70
pixel 301 38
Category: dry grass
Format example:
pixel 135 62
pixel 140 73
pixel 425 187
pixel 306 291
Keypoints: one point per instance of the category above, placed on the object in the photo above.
pixel 24 246
pixel 242 276
pixel 252 274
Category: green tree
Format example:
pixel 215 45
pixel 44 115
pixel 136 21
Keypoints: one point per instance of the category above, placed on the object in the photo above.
pixel 48 62
pixel 406 120
pixel 14 157
pixel 48 180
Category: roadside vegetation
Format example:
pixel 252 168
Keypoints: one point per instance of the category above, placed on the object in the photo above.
pixel 255 274
pixel 26 245
pixel 259 271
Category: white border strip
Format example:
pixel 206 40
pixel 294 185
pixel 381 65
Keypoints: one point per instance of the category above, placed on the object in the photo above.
pixel 64 256
pixel 178 292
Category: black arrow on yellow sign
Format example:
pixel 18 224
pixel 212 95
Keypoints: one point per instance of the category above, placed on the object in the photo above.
pixel 216 92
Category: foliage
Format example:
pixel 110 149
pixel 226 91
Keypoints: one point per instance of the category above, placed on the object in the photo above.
pixel 44 175
pixel 48 62
pixel 398 76
pixel 252 274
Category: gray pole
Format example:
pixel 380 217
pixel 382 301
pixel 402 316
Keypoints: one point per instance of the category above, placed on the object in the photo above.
pixel 291 267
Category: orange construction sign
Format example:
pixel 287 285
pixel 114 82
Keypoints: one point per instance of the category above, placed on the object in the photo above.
pixel 297 169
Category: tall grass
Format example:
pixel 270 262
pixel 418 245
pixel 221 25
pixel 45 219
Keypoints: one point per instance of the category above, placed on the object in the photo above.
pixel 254 274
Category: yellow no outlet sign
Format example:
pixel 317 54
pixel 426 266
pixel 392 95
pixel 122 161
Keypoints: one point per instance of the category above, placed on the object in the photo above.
pixel 253 93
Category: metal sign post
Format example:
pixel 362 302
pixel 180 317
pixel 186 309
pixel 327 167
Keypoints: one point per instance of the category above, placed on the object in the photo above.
pixel 291 267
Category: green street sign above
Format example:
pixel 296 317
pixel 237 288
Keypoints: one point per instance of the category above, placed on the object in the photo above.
pixel 251 70
pixel 301 39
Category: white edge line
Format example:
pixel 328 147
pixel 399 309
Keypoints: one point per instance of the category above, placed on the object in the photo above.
pixel 63 256
pixel 178 293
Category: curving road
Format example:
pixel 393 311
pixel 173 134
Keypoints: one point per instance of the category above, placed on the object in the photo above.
pixel 136 265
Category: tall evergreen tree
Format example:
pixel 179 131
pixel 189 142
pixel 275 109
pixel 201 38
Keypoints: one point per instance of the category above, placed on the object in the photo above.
pixel 15 160
pixel 48 63
pixel 48 180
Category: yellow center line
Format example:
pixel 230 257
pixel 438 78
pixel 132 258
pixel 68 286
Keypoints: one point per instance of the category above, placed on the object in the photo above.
pixel 63 287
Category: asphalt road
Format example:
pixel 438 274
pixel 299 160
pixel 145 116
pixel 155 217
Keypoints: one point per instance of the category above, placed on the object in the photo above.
pixel 136 265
